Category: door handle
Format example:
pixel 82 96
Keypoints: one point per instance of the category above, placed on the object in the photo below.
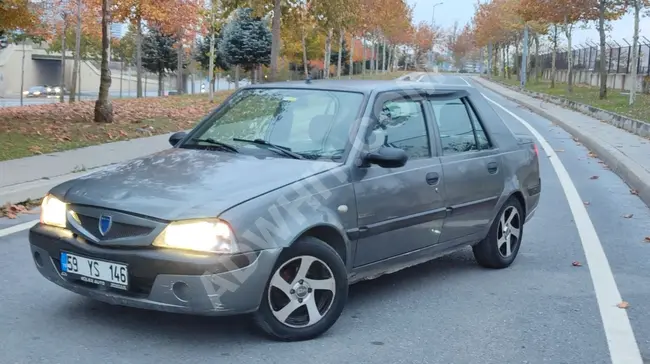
pixel 433 178
pixel 492 167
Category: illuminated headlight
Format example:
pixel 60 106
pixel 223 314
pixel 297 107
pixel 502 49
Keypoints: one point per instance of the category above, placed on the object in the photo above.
pixel 36 93
pixel 199 235
pixel 57 89
pixel 49 89
pixel 25 92
pixel 53 211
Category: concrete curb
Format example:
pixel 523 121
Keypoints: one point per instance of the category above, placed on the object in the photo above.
pixel 637 177
pixel 634 126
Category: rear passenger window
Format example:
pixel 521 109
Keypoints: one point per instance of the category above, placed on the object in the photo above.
pixel 460 130
pixel 402 125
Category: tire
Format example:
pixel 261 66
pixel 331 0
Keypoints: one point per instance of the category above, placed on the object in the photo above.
pixel 322 258
pixel 492 252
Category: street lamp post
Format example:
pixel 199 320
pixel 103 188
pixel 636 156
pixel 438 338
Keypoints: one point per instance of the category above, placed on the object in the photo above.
pixel 433 25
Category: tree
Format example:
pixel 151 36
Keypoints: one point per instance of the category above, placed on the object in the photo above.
pixel 159 55
pixel 18 14
pixel 345 55
pixel 103 106
pixel 636 6
pixel 606 10
pixel 246 42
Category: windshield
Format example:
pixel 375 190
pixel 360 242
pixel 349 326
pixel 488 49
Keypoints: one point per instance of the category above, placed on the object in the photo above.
pixel 36 88
pixel 312 123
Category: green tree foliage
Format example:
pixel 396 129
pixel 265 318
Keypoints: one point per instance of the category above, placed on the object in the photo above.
pixel 90 47
pixel 246 40
pixel 124 49
pixel 203 54
pixel 159 55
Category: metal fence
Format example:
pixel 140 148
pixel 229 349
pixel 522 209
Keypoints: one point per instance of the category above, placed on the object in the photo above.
pixel 618 57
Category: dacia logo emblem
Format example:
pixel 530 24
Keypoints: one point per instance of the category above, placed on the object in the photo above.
pixel 105 224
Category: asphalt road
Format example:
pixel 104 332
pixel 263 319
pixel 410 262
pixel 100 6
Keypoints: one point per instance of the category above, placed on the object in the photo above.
pixel 540 310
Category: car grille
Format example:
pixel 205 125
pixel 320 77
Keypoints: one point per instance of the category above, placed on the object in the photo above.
pixel 117 231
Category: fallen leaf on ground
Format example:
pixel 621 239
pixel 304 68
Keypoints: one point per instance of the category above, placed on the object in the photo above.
pixel 576 264
pixel 634 192
pixel 594 177
pixel 647 239
pixel 628 216
pixel 575 139
pixel 623 305
pixel 592 155
pixel 587 203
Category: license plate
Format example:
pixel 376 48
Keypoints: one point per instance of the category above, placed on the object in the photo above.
pixel 95 271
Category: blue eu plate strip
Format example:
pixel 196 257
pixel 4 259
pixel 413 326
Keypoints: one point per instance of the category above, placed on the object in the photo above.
pixel 64 262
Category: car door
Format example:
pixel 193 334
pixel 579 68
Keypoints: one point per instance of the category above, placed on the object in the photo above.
pixel 399 209
pixel 471 164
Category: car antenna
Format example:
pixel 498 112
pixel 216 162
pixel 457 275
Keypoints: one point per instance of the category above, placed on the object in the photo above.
pixel 308 79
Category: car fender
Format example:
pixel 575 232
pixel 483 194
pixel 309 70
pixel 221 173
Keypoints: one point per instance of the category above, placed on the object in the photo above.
pixel 320 206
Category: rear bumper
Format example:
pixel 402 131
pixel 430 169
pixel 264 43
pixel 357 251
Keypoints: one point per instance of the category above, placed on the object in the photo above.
pixel 161 279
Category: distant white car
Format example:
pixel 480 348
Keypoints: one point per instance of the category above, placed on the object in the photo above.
pixel 4 42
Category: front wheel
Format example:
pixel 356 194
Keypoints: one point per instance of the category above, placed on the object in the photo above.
pixel 500 247
pixel 306 292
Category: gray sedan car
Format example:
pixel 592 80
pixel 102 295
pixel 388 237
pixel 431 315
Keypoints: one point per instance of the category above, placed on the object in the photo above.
pixel 286 194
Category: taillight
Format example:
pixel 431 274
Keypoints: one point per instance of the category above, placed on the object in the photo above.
pixel 536 150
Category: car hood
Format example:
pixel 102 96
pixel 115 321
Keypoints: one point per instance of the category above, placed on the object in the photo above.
pixel 183 184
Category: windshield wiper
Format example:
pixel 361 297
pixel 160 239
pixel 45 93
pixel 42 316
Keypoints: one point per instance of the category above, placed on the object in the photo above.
pixel 217 143
pixel 277 148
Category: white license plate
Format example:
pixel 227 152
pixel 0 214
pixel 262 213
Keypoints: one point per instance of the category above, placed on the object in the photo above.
pixel 95 271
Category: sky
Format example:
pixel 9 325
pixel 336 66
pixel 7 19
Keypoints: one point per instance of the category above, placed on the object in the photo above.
pixel 463 10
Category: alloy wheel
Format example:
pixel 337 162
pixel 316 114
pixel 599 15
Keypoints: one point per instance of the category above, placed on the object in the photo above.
pixel 509 231
pixel 301 291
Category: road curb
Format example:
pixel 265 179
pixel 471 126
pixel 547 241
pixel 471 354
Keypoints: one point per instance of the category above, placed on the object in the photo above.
pixel 34 190
pixel 627 169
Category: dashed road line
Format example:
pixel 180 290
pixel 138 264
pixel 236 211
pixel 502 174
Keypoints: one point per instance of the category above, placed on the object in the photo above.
pixel 17 228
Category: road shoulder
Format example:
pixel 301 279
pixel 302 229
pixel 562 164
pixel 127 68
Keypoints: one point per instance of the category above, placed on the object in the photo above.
pixel 624 153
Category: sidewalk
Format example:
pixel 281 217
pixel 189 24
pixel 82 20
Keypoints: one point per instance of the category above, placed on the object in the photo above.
pixel 32 177
pixel 628 155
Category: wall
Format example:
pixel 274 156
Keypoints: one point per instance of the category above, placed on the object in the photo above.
pixel 615 81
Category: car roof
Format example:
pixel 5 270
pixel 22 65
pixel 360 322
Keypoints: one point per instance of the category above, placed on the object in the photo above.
pixel 363 86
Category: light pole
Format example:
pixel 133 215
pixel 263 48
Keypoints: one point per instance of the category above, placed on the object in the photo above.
pixel 433 26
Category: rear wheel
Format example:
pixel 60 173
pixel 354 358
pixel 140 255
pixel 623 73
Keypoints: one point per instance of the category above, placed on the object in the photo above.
pixel 306 292
pixel 500 247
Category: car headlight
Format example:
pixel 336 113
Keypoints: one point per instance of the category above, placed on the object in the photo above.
pixel 25 92
pixel 211 235
pixel 36 93
pixel 53 211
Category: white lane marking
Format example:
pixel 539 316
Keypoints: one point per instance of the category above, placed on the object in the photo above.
pixel 464 80
pixel 17 228
pixel 623 348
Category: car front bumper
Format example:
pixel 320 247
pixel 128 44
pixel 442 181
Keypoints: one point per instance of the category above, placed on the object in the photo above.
pixel 161 279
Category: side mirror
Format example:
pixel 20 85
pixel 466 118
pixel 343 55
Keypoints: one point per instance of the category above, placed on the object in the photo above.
pixel 177 137
pixel 387 157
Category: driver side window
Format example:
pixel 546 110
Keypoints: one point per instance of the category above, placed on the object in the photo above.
pixel 402 125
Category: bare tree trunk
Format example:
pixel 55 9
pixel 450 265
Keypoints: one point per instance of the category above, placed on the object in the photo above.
pixel 138 54
pixel 212 50
pixel 121 75
pixel 603 37
pixel 276 37
pixel 328 53
pixel 161 84
pixel 383 56
pixel 635 52
pixel 537 65
pixel 554 57
pixel 304 54
pixel 363 55
pixel 22 73
pixel 236 76
pixel 63 51
pixel 77 54
pixel 179 65
pixel 103 106
pixel 351 70
pixel 568 28
pixel 338 66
